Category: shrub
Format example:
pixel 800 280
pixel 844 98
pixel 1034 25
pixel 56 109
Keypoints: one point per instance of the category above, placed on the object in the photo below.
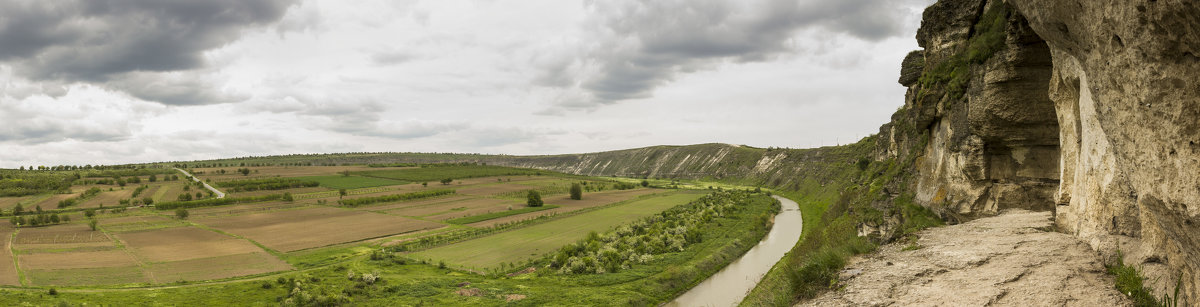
pixel 534 199
pixel 576 191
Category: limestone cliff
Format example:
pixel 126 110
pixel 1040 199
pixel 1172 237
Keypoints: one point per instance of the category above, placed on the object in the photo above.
pixel 1087 108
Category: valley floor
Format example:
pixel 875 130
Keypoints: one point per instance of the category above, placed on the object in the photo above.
pixel 1008 260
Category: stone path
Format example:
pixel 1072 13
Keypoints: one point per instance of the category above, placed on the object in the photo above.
pixel 1012 259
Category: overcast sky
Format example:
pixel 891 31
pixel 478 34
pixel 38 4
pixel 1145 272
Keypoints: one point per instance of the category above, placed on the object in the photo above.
pixel 123 81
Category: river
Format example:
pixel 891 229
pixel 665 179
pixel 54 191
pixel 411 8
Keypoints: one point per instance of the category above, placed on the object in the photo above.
pixel 730 285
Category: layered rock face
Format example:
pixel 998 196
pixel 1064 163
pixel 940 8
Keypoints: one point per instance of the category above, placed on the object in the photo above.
pixel 1088 108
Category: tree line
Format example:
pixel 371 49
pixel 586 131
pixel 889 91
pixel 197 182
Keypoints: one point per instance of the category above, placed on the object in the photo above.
pixel 355 202
pixel 266 184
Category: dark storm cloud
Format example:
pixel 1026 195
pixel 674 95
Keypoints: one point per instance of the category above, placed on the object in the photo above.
pixel 642 45
pixel 99 40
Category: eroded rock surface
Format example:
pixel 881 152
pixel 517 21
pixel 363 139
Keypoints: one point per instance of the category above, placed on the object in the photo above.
pixel 1007 260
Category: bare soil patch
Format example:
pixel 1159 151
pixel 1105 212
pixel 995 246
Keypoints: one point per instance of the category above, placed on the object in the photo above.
pixel 88 276
pixel 10 202
pixel 414 203
pixel 184 243
pixel 457 209
pixel 50 203
pixel 8 272
pixel 217 267
pixel 76 260
pixel 70 233
pixel 109 198
pixel 246 209
pixel 293 230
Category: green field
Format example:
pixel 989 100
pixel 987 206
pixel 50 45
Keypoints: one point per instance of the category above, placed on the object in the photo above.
pixel 496 215
pixel 533 241
pixel 351 182
pixel 433 174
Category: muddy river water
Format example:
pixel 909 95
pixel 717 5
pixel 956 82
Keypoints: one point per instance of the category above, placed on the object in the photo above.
pixel 731 284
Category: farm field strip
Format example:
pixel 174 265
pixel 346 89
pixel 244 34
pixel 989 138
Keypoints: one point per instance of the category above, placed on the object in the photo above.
pixel 10 202
pixel 293 230
pixel 200 269
pixel 324 194
pixel 392 206
pixel 50 202
pixel 564 204
pixel 184 243
pixel 352 182
pixel 87 276
pixel 495 215
pixel 108 198
pixel 435 210
pixel 244 209
pixel 530 242
pixel 8 269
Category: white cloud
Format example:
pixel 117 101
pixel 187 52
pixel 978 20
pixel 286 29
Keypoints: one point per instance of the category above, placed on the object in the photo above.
pixel 525 77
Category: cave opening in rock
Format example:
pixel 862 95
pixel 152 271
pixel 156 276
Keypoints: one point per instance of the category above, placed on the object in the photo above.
pixel 1019 126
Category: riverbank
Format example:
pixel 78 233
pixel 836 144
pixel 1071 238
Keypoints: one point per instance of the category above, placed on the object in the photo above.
pixel 731 284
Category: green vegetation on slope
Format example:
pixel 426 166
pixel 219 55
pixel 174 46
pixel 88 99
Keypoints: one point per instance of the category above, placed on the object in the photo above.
pixel 527 243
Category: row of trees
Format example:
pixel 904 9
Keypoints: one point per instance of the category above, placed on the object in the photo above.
pixel 266 184
pixel 41 219
pixel 355 202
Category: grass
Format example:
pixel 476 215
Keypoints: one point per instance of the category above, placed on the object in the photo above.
pixel 533 241
pixel 1131 283
pixel 496 215
pixel 352 182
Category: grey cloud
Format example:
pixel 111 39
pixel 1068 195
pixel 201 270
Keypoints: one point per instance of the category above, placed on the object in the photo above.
pixel 642 45
pixel 393 57
pixel 32 125
pixel 99 40
pixel 362 116
pixel 174 88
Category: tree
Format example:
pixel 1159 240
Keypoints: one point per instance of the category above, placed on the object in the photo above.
pixel 18 210
pixel 244 171
pixel 90 213
pixel 55 219
pixel 147 200
pixel 346 173
pixel 645 183
pixel 447 181
pixel 153 178
pixel 534 199
pixel 425 184
pixel 120 182
pixel 287 196
pixel 92 223
pixel 341 193
pixel 181 213
pixel 576 191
